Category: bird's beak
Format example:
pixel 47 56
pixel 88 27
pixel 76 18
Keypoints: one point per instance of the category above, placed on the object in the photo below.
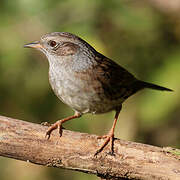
pixel 35 45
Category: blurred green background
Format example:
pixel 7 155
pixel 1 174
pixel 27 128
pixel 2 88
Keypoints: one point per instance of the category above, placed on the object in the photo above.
pixel 142 36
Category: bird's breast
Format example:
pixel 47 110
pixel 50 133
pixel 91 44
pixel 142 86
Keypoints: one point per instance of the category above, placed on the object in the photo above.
pixel 71 90
pixel 81 94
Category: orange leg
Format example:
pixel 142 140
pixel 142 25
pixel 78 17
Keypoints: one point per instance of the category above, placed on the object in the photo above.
pixel 110 136
pixel 58 124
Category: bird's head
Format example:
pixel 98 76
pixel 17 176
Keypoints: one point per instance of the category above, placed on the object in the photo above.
pixel 62 48
pixel 60 44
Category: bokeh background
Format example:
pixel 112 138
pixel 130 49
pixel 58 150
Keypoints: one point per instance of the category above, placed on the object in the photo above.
pixel 142 36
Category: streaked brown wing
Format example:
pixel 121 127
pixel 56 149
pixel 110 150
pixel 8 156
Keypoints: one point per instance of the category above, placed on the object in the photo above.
pixel 116 81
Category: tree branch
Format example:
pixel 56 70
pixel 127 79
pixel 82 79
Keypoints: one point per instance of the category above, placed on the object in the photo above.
pixel 26 141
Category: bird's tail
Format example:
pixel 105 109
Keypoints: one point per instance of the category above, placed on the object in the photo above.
pixel 143 84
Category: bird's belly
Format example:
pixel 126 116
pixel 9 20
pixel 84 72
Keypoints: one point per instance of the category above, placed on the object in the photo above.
pixel 80 95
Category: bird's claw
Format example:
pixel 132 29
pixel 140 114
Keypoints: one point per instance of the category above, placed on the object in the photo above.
pixel 102 137
pixel 46 124
pixel 57 125
pixel 109 138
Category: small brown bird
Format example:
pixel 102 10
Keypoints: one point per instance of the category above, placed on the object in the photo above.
pixel 86 80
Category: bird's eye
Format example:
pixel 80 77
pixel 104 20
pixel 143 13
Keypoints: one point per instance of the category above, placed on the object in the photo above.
pixel 52 43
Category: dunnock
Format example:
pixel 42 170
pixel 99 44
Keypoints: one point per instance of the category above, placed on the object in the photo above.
pixel 86 80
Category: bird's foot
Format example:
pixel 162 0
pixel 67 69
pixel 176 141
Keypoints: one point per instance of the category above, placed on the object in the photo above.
pixel 109 138
pixel 46 124
pixel 102 137
pixel 56 125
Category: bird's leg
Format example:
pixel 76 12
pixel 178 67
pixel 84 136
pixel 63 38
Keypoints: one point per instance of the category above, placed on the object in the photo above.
pixel 58 124
pixel 110 136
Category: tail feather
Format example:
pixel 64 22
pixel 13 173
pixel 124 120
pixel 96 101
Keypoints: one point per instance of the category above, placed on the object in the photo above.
pixel 153 86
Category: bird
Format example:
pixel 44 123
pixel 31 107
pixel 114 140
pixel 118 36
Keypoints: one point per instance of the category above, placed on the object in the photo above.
pixel 86 80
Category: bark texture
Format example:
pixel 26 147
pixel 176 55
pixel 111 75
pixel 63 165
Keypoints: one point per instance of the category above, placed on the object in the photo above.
pixel 26 141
